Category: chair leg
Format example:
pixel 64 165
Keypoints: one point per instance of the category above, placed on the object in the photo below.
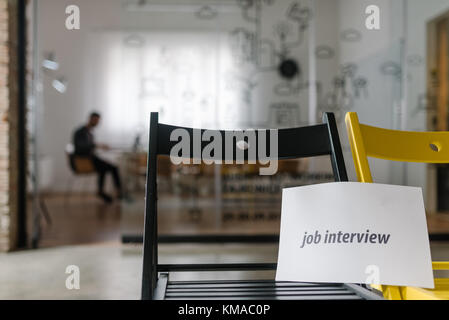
pixel 45 211
pixel 85 184
pixel 68 190
pixel 86 192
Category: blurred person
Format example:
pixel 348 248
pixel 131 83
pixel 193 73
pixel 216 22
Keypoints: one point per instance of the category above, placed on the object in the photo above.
pixel 85 146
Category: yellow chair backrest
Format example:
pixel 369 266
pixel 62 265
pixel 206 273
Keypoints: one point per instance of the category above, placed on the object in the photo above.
pixel 367 141
pixel 427 147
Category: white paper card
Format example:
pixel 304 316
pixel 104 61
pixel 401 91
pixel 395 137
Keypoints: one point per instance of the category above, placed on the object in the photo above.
pixel 349 232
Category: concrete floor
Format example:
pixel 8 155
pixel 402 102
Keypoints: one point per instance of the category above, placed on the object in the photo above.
pixel 83 219
pixel 113 271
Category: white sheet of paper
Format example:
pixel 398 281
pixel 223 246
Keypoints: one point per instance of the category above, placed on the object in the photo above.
pixel 356 233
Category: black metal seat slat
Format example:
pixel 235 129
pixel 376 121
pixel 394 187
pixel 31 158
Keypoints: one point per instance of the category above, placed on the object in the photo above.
pixel 256 290
pixel 222 285
pixel 235 287
pixel 260 293
pixel 257 294
pixel 292 297
pixel 293 143
pixel 245 282
pixel 273 293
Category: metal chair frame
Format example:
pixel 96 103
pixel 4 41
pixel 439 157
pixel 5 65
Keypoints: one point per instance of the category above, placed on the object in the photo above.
pixel 293 143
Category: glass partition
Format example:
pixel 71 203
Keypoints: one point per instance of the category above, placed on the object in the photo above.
pixel 230 64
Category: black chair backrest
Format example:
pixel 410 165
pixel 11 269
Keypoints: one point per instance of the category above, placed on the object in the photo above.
pixel 293 143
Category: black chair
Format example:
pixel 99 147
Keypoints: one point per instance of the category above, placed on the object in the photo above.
pixel 311 141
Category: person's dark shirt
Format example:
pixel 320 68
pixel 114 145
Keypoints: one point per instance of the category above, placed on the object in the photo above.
pixel 83 140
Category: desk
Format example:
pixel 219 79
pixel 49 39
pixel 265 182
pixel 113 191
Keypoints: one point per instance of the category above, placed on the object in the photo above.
pixel 133 168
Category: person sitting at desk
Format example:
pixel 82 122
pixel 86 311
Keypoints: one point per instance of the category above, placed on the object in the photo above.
pixel 83 140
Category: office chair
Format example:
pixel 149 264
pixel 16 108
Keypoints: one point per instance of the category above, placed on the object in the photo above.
pixel 79 166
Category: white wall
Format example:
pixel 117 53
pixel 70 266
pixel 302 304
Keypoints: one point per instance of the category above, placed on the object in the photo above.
pixel 61 113
pixel 374 48
pixel 418 15
pixel 382 107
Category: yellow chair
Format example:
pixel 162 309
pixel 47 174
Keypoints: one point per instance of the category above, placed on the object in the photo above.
pixel 427 147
